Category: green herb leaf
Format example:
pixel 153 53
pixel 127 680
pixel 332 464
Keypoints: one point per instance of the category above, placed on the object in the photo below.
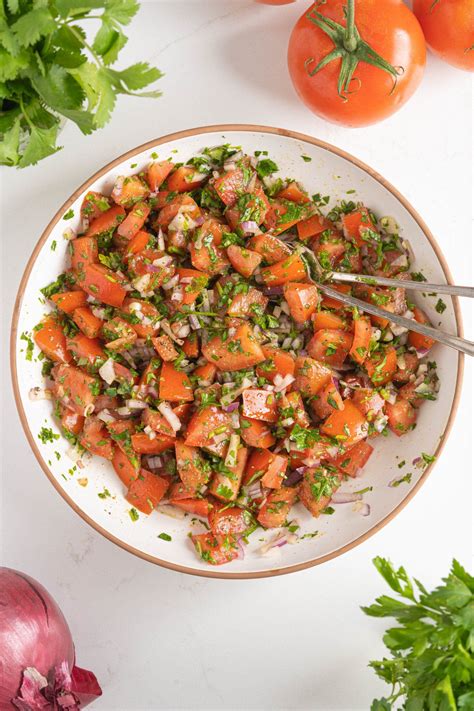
pixel 432 665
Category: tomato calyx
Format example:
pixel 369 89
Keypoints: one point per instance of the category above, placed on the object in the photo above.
pixel 349 47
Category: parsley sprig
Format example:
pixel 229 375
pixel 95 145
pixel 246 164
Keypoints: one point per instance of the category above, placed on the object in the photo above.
pixel 49 71
pixel 432 649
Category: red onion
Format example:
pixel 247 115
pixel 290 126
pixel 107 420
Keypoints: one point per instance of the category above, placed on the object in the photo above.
pixel 233 406
pixel 37 658
pixel 345 497
pixel 272 291
pixel 294 477
pixel 250 226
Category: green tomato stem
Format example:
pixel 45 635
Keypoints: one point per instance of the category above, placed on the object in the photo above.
pixel 350 39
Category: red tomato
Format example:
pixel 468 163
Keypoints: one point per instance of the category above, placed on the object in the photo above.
pixel 448 26
pixel 369 93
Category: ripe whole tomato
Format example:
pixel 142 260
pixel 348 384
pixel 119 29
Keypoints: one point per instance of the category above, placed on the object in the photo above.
pixel 377 56
pixel 448 26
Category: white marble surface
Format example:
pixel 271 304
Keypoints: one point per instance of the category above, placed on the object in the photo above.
pixel 159 640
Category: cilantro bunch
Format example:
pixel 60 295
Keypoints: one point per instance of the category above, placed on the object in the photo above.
pixel 432 648
pixel 49 70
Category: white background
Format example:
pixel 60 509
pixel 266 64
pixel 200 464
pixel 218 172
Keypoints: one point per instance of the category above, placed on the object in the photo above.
pixel 157 639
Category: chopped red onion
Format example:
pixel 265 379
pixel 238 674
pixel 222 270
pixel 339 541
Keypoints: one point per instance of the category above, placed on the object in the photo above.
pixel 249 226
pixel 343 497
pixel 172 419
pixel 233 406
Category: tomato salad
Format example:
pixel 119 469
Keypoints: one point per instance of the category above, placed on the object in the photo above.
pixel 190 346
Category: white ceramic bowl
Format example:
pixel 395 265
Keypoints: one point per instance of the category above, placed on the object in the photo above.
pixel 330 172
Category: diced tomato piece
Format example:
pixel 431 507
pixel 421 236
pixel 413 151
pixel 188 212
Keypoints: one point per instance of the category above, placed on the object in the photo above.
pixel 208 258
pixel 150 262
pixel 294 193
pixel 381 366
pixel 216 550
pixel 328 400
pixel 134 221
pixel 158 423
pixel 311 376
pixel 290 269
pixel 256 433
pixel 129 190
pixel 106 222
pixel 244 304
pixel 226 488
pixel 407 366
pixel 103 284
pixel 171 209
pixel 330 347
pixel 329 319
pixel 329 247
pixel 401 416
pixel 356 223
pixel 85 348
pixel 240 351
pixel 93 205
pixel 277 362
pixel 142 444
pixel 146 491
pixel 267 466
pixel 157 173
pixel 121 431
pixel 277 506
pixel 285 216
pixel 271 248
pixel 149 379
pixel 175 385
pixel 118 334
pixel 368 401
pixel 143 329
pixel 347 425
pixel 329 303
pixel 352 461
pixel 74 388
pixel 230 185
pixel 313 226
pixel 126 467
pixel 68 301
pixel 84 251
pixel 70 419
pixel 210 428
pixel 193 283
pixel 138 243
pixel 259 404
pixel 362 335
pixel 230 520
pixel 253 207
pixel 89 324
pixel 184 179
pixel 408 392
pixel 291 406
pixel 198 507
pixel 311 456
pixel 96 439
pixel 205 374
pixel 316 489
pixel 244 261
pixel 164 347
pixel 417 340
pixel 303 300
pixel 193 470
pixel 49 337
pixel 191 345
